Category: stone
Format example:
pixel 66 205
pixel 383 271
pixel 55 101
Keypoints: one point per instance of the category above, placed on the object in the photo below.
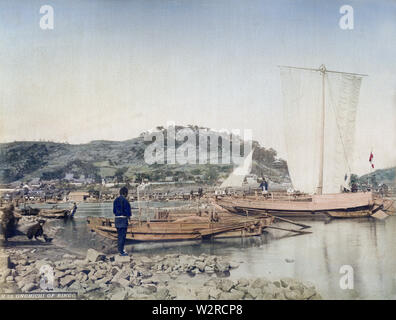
pixel 292 295
pixel 80 262
pixel 83 270
pixel 23 262
pixel 226 296
pixel 100 274
pixel 94 256
pixel 67 281
pixel 279 294
pixel 211 283
pixel 222 266
pixel 122 259
pixel 209 269
pixel 214 293
pixel 29 287
pixel 119 295
pixel 75 286
pixel 145 290
pixel 265 296
pixel 123 282
pixel 317 296
pixel 105 280
pixel 308 293
pixel 254 292
pixel 6 272
pixel 5 262
pixel 162 293
pixel 59 274
pixel 225 285
pixel 202 295
pixel 285 282
pixel 200 265
pixel 40 263
pixel 30 278
pixel 243 282
pixel 236 295
pixel 242 289
pixel 195 271
pixel 299 287
pixel 81 277
pixel 65 267
pixel 68 256
pixel 259 283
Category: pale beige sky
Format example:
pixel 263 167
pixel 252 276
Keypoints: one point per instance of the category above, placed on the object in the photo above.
pixel 110 70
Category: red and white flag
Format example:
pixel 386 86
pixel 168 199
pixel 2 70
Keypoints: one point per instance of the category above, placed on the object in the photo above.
pixel 371 160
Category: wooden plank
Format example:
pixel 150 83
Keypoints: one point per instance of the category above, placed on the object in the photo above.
pixel 380 215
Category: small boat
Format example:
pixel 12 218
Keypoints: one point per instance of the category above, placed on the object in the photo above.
pixel 342 205
pixel 54 213
pixel 188 228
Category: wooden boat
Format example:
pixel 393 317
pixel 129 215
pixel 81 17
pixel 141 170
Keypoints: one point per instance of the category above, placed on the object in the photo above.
pixel 342 205
pixel 28 211
pixel 182 229
pixel 54 213
pixel 320 115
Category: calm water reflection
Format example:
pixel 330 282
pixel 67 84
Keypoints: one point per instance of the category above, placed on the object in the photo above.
pixel 369 246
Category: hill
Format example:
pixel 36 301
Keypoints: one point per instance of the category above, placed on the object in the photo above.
pixel 380 176
pixel 122 160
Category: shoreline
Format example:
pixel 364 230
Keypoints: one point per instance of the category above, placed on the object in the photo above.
pixel 136 277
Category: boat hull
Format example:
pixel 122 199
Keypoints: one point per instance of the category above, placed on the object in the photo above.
pixel 348 205
pixel 175 231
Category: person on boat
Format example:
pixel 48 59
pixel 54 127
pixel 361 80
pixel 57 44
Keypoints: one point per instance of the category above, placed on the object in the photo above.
pixel 122 212
pixel 264 186
pixel 74 210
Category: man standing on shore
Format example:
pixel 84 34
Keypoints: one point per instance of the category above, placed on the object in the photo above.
pixel 122 212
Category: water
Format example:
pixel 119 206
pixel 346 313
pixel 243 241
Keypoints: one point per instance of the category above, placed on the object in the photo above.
pixel 367 245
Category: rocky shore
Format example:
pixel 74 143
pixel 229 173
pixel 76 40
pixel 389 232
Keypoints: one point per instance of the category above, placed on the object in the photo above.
pixel 101 276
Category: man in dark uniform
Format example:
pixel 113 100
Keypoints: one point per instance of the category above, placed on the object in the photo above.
pixel 74 210
pixel 122 212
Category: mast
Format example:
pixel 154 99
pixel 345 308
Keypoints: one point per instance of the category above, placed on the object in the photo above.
pixel 322 69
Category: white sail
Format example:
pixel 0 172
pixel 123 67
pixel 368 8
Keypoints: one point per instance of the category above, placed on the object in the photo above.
pixel 236 178
pixel 302 100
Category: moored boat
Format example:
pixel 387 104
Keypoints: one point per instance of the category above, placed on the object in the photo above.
pixel 54 213
pixel 320 108
pixel 189 228
pixel 343 205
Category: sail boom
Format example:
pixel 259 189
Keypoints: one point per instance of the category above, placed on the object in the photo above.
pixel 320 70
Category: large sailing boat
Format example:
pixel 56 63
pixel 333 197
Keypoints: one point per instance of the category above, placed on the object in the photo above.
pixel 319 114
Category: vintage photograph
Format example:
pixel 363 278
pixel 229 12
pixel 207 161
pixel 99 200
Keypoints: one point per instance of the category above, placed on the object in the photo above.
pixel 198 150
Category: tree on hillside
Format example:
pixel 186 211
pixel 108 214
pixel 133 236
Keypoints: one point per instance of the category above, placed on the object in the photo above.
pixel 119 174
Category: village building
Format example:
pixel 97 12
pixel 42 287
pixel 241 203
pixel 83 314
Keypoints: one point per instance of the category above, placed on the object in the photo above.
pixel 78 196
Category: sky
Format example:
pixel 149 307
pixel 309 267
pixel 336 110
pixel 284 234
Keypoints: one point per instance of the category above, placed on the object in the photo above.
pixel 113 69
